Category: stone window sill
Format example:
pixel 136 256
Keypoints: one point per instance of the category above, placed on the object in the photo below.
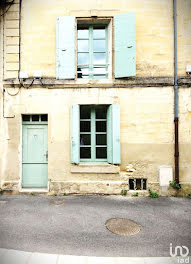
pixel 95 168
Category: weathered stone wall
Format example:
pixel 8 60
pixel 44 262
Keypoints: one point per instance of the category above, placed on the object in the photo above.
pixel 154 26
pixel 11 41
pixel 1 87
pixel 147 101
pixel 154 33
pixel 184 40
pixel 1 64
pixel 146 131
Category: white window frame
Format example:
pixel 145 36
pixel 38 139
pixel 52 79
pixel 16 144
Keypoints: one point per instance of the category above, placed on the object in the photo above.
pixel 95 21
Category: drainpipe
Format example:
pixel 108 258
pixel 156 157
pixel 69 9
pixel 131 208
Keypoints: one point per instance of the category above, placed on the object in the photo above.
pixel 176 143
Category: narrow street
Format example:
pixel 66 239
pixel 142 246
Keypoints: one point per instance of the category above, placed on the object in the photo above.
pixel 75 225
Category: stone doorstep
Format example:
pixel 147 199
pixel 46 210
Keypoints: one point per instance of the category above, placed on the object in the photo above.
pixel 9 256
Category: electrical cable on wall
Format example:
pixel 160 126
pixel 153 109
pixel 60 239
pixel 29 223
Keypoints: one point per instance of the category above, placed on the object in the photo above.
pixel 4 107
pixel 26 86
pixel 13 86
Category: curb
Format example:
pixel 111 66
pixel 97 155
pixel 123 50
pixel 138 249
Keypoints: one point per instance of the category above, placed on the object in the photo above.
pixel 10 256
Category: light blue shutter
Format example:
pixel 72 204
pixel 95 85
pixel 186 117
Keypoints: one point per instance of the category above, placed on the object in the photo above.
pixel 65 47
pixel 125 60
pixel 109 135
pixel 113 134
pixel 75 134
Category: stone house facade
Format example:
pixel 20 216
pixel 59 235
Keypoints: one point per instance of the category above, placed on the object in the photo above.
pixel 87 96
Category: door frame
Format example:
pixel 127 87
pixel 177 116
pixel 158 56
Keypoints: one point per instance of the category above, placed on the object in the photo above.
pixel 24 189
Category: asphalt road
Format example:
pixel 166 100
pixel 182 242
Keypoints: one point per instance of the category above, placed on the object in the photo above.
pixel 75 225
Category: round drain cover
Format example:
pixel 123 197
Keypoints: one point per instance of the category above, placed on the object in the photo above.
pixel 123 226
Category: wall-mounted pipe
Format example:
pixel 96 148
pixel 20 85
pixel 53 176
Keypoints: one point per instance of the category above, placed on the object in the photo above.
pixel 176 119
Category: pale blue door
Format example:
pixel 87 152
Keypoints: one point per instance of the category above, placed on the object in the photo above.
pixel 35 156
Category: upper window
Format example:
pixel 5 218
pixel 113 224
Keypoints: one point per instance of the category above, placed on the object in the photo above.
pixel 88 53
pixel 92 46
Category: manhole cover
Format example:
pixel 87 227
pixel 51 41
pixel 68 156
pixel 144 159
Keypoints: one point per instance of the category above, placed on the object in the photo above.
pixel 123 226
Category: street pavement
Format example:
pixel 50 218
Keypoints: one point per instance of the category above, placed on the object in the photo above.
pixel 75 225
pixel 21 257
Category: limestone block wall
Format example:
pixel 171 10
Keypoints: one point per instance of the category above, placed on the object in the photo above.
pixel 185 134
pixel 154 33
pixel 154 26
pixel 184 40
pixel 1 64
pixel 11 42
pixel 146 136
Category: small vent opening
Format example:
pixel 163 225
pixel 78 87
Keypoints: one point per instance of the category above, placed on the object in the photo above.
pixel 137 184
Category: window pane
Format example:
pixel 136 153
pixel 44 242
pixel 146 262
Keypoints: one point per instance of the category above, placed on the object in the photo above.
pixel 101 140
pixel 131 184
pixel 99 45
pixel 44 117
pixel 83 58
pixel 138 184
pixel 83 33
pixel 84 76
pixel 85 126
pixel 101 112
pixel 85 112
pixel 99 71
pixel 144 184
pixel 101 153
pixel 99 58
pixel 83 45
pixel 99 33
pixel 35 118
pixel 100 126
pixel 99 76
pixel 85 139
pixel 85 153
pixel 26 118
pixel 83 72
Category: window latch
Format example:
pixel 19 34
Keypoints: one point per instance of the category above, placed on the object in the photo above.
pixel 46 155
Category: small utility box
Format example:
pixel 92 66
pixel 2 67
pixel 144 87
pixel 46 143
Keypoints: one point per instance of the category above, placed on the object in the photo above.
pixel 165 175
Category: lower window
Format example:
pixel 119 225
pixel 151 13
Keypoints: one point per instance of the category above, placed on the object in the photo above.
pixel 93 133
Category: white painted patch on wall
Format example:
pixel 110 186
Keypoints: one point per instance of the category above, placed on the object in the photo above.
pixel 165 174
